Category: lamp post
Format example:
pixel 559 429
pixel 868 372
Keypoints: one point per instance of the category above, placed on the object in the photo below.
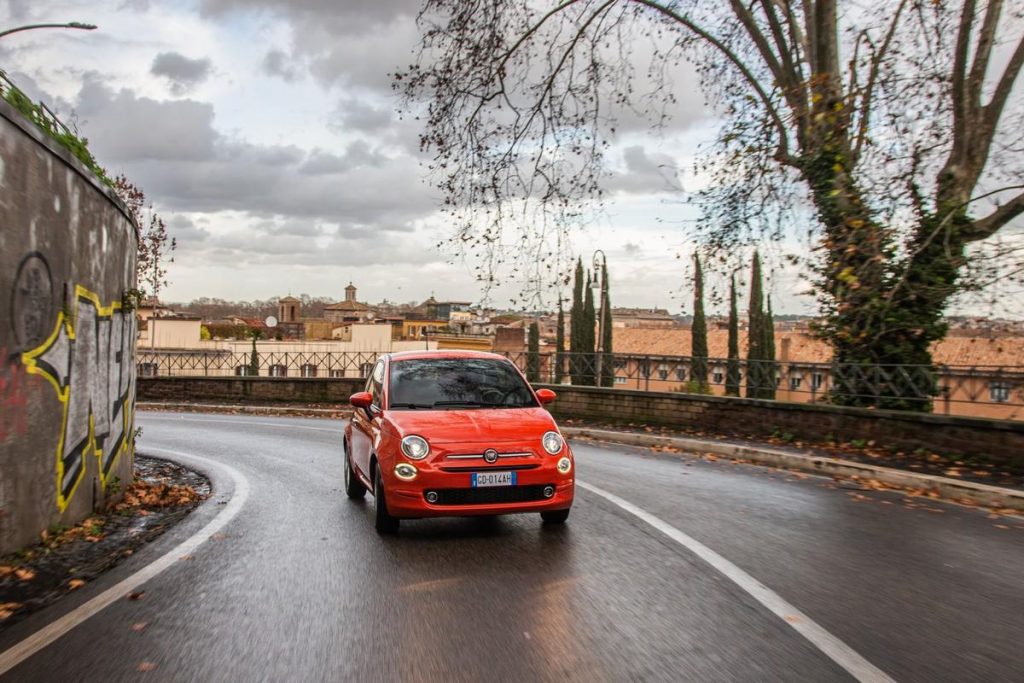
pixel 28 27
pixel 599 284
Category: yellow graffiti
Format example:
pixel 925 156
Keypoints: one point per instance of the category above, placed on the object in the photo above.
pixel 53 360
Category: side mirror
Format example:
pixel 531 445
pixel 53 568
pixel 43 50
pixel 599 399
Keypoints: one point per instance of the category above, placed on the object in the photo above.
pixel 363 399
pixel 546 396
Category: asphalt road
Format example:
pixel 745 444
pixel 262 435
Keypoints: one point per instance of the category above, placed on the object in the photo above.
pixel 298 586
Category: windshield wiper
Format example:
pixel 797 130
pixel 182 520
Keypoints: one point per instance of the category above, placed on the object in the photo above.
pixel 467 404
pixel 413 406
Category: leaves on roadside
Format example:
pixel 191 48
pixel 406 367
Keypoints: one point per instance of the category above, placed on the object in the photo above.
pixel 8 608
pixel 146 666
pixel 75 583
pixel 136 595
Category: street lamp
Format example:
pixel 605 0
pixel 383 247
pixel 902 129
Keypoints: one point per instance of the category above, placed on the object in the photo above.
pixel 600 287
pixel 28 27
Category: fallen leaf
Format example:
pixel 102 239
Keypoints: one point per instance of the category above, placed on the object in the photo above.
pixel 139 626
pixel 24 574
pixel 75 583
pixel 146 666
pixel 8 608
pixel 136 595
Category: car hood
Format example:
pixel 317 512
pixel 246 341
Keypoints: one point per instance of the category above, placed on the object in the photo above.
pixel 485 425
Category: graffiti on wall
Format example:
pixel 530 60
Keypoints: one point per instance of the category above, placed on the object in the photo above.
pixel 87 357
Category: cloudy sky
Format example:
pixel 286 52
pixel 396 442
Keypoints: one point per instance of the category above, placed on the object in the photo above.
pixel 264 131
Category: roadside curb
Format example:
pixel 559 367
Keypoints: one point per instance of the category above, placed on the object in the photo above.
pixel 256 410
pixel 964 492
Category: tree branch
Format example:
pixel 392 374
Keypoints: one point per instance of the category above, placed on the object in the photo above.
pixel 864 120
pixel 994 109
pixel 783 154
pixel 983 51
pixel 989 225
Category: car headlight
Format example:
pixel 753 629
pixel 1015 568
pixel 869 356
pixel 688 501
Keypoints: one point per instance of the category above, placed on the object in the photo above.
pixel 564 465
pixel 415 447
pixel 552 442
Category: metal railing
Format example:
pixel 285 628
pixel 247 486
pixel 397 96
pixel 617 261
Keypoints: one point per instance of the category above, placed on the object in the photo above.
pixel 186 363
pixel 991 391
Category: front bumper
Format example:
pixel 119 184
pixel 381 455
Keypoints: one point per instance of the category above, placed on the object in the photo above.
pixel 450 478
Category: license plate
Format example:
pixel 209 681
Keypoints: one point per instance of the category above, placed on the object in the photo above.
pixel 479 479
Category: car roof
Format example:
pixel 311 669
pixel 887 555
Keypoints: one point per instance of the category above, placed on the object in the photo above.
pixel 446 353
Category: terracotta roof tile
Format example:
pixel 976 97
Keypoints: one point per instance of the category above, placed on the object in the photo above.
pixel 803 347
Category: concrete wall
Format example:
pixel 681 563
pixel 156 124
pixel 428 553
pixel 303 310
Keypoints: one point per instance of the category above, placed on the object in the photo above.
pixel 998 440
pixel 67 369
pixel 249 389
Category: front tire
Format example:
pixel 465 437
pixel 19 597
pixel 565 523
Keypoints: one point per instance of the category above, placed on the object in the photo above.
pixel 382 519
pixel 354 488
pixel 555 516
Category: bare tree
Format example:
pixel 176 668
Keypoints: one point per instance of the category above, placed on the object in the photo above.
pixel 888 126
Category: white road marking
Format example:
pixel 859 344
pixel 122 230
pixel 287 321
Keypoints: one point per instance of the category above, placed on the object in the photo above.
pixel 833 648
pixel 248 422
pixel 55 629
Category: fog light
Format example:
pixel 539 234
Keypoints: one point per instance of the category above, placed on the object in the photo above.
pixel 405 471
pixel 564 465
pixel 431 496
pixel 549 491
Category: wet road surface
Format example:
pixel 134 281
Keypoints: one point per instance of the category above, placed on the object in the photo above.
pixel 299 587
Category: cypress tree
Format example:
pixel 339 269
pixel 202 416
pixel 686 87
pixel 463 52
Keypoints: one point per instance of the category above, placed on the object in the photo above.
pixel 608 360
pixel 576 326
pixel 560 344
pixel 533 353
pixel 732 369
pixel 768 330
pixel 699 332
pixel 254 359
pixel 588 336
pixel 755 333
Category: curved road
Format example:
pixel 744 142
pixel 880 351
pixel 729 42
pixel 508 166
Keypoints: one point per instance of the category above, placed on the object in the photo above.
pixel 298 587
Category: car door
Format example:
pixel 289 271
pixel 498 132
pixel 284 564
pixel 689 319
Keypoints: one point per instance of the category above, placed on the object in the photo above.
pixel 366 422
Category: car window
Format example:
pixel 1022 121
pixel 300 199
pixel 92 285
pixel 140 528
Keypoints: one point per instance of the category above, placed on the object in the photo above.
pixel 440 383
pixel 376 383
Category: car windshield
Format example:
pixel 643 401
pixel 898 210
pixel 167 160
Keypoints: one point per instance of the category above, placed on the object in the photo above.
pixel 454 383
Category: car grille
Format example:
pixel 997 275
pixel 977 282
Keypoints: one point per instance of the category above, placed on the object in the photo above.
pixel 489 494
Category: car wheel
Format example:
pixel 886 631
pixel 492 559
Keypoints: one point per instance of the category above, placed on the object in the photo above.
pixel 555 516
pixel 382 519
pixel 354 488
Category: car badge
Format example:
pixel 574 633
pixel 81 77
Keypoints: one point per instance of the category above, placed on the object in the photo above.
pixel 491 455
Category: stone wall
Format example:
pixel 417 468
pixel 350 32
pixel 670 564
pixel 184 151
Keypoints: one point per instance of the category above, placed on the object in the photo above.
pixel 998 440
pixel 67 343
pixel 249 389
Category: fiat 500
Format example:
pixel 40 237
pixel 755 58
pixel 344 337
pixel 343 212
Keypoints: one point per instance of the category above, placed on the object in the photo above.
pixel 440 434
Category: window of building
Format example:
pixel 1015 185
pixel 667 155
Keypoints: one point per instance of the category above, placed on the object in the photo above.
pixel 337 373
pixel 680 374
pixel 662 374
pixel 308 370
pixel 620 380
pixel 718 377
pixel 278 370
pixel 147 369
pixel 794 383
pixel 817 379
pixel 241 370
pixel 365 369
pixel 999 392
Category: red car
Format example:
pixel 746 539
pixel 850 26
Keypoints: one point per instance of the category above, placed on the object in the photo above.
pixel 455 433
